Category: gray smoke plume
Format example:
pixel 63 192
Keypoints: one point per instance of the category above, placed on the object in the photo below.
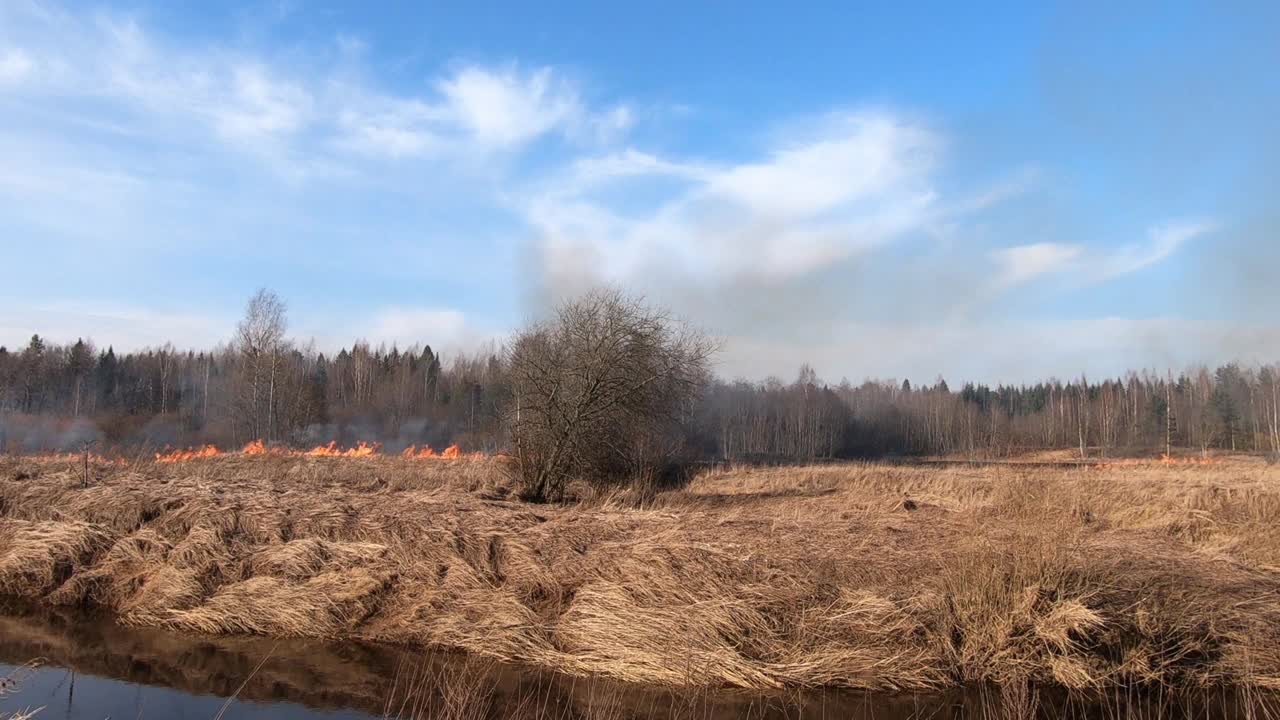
pixel 31 434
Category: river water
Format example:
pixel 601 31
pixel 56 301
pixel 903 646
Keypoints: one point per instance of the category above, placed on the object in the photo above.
pixel 91 668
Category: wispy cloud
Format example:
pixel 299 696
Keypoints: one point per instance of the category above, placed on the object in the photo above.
pixel 861 180
pixel 507 107
pixel 15 66
pixel 1020 264
pixel 475 110
pixel 286 111
pixel 1162 242
pixel 1088 265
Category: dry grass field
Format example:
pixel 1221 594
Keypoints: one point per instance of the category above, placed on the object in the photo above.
pixel 861 576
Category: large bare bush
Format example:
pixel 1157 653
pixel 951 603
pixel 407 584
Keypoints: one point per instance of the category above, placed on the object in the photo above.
pixel 600 390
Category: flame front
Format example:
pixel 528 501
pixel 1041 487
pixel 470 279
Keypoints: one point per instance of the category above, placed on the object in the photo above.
pixel 414 453
pixel 453 452
pixel 1164 459
pixel 258 447
pixel 205 451
pixel 361 449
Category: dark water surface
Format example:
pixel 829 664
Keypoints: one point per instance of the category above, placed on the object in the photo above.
pixel 91 669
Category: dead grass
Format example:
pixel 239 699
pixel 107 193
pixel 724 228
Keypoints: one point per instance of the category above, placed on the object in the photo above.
pixel 856 576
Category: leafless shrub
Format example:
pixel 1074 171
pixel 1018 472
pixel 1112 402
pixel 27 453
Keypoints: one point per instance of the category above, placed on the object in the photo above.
pixel 598 390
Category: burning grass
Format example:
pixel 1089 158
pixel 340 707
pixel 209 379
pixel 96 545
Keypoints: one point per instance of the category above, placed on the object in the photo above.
pixel 859 576
pixel 360 450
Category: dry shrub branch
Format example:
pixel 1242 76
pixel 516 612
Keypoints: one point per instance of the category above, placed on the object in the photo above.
pixel 599 391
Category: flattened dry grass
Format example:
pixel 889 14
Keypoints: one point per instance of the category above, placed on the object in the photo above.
pixel 859 576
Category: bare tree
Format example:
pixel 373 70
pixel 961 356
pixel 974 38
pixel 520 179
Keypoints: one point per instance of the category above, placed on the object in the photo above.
pixel 598 390
pixel 79 363
pixel 260 340
pixel 165 363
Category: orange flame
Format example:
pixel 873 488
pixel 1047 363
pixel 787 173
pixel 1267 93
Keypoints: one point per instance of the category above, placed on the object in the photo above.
pixel 258 447
pixel 413 452
pixel 173 456
pixel 330 450
pixel 361 449
pixel 1189 460
pixel 426 452
pixel 1164 459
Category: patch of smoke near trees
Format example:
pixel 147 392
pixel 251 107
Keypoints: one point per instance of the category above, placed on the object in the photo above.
pixel 33 433
pixel 264 385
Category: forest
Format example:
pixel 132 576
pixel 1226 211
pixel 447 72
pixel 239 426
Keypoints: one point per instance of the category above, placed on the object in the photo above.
pixel 58 397
pixel 263 386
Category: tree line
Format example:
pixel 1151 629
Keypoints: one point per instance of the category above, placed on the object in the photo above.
pixel 262 385
pixel 259 386
pixel 1231 408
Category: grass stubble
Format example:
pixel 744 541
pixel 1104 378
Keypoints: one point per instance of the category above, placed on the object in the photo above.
pixel 862 576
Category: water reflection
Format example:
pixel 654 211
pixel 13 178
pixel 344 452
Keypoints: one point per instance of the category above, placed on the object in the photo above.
pixel 95 669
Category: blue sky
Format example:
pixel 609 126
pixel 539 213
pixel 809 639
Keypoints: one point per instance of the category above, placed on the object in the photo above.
pixel 992 192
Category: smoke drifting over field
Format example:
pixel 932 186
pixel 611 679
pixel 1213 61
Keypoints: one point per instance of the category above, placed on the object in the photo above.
pixel 29 433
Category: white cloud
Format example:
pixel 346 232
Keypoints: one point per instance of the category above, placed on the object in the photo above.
pixel 296 113
pixel 863 179
pixel 589 174
pixel 612 123
pixel 1162 242
pixel 475 110
pixel 390 127
pixel 261 105
pixel 1088 265
pixel 508 107
pixel 15 66
pixel 864 157
pixel 1023 263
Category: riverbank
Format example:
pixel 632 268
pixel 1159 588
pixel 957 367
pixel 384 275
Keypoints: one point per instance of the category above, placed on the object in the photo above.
pixel 90 667
pixel 853 576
